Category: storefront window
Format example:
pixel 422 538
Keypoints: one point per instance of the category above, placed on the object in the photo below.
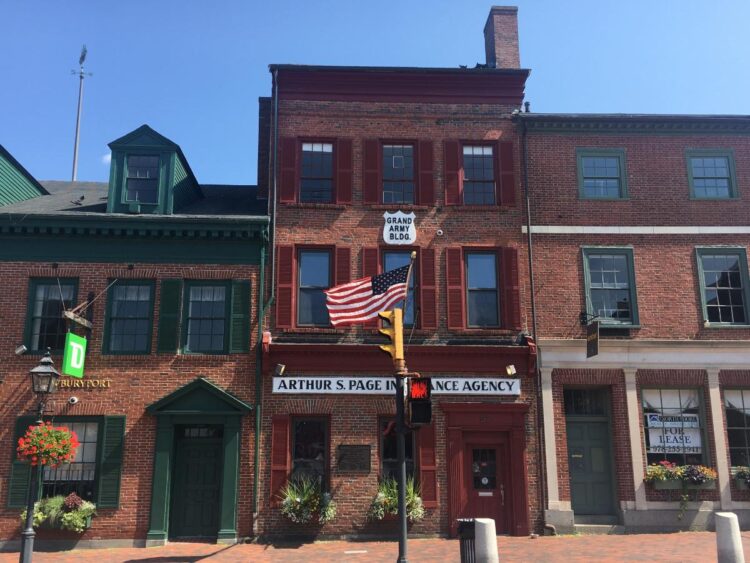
pixel 389 450
pixel 737 404
pixel 309 449
pixel 673 426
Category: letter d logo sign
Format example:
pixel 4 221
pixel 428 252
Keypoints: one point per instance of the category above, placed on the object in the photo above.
pixel 74 356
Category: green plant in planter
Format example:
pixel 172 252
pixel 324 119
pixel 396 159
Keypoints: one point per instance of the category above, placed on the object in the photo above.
pixel 685 475
pixel 302 499
pixel 743 474
pixel 66 513
pixel 385 502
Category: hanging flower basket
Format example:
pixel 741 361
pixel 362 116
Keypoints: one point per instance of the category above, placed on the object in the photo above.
pixel 742 478
pixel 70 513
pixel 48 445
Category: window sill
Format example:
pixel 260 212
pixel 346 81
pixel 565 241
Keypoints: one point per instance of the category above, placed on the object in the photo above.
pixel 310 205
pixel 314 330
pixel 607 199
pixel 730 198
pixel 714 326
pixel 480 208
pixel 400 206
pixel 605 326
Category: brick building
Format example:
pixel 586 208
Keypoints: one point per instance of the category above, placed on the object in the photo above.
pixel 641 222
pixel 341 148
pixel 169 267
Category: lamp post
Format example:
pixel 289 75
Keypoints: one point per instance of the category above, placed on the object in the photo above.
pixel 44 378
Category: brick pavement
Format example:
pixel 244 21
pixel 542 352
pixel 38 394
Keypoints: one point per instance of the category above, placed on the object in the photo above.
pixel 680 547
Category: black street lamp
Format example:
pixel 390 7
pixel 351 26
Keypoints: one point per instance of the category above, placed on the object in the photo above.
pixel 44 378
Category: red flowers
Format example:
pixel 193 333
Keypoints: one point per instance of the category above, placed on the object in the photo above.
pixel 45 444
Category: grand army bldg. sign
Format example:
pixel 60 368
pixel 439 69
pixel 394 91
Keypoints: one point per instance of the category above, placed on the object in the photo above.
pixel 387 385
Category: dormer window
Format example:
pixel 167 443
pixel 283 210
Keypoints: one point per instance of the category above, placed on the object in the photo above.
pixel 142 184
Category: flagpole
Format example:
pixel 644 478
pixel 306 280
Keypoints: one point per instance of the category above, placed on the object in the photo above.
pixel 413 257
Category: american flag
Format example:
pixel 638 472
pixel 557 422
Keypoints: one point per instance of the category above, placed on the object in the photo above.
pixel 360 300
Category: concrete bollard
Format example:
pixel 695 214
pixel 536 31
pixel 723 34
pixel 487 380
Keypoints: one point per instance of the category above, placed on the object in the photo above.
pixel 728 540
pixel 485 542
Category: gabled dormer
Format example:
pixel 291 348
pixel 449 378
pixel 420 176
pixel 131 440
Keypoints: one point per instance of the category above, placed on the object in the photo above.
pixel 149 175
pixel 16 184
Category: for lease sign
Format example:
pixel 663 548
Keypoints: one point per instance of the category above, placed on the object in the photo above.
pixel 387 385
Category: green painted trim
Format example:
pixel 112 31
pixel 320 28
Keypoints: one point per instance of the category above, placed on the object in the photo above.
pixel 634 124
pixel 108 317
pixel 741 253
pixel 120 192
pixel 187 285
pixel 628 253
pixel 33 283
pixel 230 480
pixel 726 153
pixel 162 481
pixel 581 153
pixel 235 406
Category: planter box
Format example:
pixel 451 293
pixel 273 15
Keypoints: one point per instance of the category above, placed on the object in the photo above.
pixel 674 484
pixel 741 485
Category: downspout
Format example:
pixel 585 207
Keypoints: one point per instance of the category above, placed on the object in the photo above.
pixel 265 306
pixel 538 371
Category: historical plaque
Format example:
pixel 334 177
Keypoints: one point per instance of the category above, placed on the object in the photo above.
pixel 353 458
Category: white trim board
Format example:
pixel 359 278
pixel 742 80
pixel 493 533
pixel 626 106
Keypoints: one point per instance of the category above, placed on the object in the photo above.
pixel 635 230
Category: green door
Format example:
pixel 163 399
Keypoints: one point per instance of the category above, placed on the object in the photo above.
pixel 197 482
pixel 590 467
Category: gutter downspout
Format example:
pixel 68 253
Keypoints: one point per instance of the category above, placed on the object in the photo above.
pixel 538 370
pixel 265 307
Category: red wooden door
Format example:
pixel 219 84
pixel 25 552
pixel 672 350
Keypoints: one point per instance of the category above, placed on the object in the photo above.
pixel 485 478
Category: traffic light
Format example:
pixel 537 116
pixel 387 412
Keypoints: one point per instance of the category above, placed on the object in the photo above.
pixel 419 398
pixel 394 331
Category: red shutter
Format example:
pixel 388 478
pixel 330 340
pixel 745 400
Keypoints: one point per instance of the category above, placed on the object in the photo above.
pixel 343 268
pixel 371 171
pixel 284 286
pixel 344 171
pixel 370 268
pixel 511 304
pixel 452 165
pixel 427 465
pixel 280 463
pixel 454 281
pixel 427 289
pixel 288 170
pixel 426 180
pixel 507 177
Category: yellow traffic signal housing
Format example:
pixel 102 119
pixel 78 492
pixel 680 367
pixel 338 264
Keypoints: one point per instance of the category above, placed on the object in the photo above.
pixel 395 331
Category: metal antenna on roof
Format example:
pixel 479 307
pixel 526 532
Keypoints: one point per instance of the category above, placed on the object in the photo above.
pixel 81 76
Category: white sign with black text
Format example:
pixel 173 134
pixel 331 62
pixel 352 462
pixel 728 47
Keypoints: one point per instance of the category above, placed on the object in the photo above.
pixel 387 385
pixel 669 434
pixel 399 228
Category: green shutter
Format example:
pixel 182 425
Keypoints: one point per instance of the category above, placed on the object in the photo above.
pixel 169 316
pixel 239 329
pixel 20 471
pixel 110 462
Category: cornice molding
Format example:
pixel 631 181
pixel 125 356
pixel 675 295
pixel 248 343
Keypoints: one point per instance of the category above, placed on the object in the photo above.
pixel 626 125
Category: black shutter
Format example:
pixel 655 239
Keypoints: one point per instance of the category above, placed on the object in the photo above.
pixel 110 462
pixel 169 316
pixel 20 471
pixel 239 328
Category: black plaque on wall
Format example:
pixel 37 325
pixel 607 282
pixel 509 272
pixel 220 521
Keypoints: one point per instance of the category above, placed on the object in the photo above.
pixel 353 458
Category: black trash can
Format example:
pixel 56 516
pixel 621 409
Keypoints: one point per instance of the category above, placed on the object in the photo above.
pixel 466 537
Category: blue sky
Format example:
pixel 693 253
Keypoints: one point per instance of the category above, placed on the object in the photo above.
pixel 194 69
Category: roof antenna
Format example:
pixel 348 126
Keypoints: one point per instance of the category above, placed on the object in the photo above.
pixel 81 76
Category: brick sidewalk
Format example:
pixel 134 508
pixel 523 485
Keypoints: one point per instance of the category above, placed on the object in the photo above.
pixel 691 546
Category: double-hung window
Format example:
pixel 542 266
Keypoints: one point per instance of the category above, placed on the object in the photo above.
pixel 316 175
pixel 673 424
pixel 479 175
pixel 142 182
pixel 206 314
pixel 129 318
pixel 737 408
pixel 482 296
pixel 78 476
pixel 393 260
pixel 48 298
pixel 724 285
pixel 310 449
pixel 389 450
pixel 610 285
pixel 398 174
pixel 314 277
pixel 601 174
pixel 711 174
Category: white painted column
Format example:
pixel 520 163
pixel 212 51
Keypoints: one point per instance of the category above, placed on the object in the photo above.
pixel 717 420
pixel 550 444
pixel 636 444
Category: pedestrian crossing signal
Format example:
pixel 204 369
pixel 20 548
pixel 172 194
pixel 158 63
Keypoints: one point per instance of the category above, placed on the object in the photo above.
pixel 420 401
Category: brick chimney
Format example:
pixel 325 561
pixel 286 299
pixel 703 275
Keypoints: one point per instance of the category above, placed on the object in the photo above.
pixel 501 37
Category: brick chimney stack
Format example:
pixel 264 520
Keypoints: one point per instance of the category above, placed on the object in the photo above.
pixel 501 37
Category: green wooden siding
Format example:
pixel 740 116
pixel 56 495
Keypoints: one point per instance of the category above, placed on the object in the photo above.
pixel 14 185
pixel 185 191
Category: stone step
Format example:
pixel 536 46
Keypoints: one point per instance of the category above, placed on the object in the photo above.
pixel 599 529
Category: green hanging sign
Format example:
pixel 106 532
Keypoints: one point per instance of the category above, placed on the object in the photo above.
pixel 74 355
